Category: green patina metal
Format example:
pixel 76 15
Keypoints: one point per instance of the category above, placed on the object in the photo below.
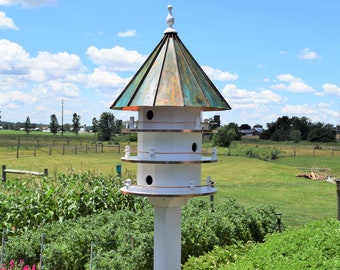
pixel 171 77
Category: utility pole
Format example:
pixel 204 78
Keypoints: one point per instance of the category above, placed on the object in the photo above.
pixel 62 117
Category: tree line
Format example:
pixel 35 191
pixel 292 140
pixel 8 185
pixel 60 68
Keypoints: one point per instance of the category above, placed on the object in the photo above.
pixel 105 128
pixel 284 128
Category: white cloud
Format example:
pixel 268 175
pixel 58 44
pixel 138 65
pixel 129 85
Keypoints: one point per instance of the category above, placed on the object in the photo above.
pixel 116 58
pixel 320 112
pixel 292 84
pixel 100 79
pixel 16 96
pixel 239 97
pixel 12 56
pixel 299 110
pixel 218 75
pixel 331 89
pixel 308 54
pixel 6 22
pixel 28 3
pixel 128 33
pixel 47 66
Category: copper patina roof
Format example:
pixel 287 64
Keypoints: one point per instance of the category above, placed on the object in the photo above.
pixel 170 77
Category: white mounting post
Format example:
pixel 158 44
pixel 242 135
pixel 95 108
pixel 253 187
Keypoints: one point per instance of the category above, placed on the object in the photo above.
pixel 167 232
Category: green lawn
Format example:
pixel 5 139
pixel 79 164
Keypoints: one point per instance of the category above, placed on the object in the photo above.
pixel 254 182
pixel 251 181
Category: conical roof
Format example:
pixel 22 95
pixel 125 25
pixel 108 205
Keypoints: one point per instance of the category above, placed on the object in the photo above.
pixel 170 77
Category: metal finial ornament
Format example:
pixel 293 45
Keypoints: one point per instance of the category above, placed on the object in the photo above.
pixel 170 20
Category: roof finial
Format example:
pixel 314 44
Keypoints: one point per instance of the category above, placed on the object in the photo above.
pixel 170 20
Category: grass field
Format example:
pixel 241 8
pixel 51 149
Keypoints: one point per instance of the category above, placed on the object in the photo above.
pixel 250 181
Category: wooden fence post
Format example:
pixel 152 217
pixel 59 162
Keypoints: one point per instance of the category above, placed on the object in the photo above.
pixel 337 181
pixel 18 145
pixel 3 173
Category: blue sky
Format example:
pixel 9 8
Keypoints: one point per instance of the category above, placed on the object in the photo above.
pixel 268 58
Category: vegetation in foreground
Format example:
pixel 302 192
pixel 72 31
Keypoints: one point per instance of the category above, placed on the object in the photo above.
pixel 313 246
pixel 71 212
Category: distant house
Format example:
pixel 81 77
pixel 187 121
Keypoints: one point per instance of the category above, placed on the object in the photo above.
pixel 251 132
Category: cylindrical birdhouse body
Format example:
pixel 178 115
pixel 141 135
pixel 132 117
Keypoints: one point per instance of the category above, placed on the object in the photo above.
pixel 169 153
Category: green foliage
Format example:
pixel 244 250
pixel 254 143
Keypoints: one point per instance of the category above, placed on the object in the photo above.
pixel 54 126
pixel 295 135
pixel 108 125
pixel 296 129
pixel 204 227
pixel 133 137
pixel 218 257
pixel 314 246
pixel 226 134
pixel 76 123
pixel 27 125
pixel 27 205
pixel 322 134
pixel 124 239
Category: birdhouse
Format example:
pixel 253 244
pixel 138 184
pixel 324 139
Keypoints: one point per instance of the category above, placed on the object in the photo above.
pixel 170 92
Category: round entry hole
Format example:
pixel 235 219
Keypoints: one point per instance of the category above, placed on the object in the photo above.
pixel 149 180
pixel 149 115
pixel 194 147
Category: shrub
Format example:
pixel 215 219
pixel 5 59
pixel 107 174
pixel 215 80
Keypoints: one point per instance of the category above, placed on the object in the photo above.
pixel 124 239
pixel 313 246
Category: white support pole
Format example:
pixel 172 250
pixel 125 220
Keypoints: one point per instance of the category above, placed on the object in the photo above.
pixel 167 232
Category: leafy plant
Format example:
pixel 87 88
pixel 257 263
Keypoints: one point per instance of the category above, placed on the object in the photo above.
pixel 313 246
pixel 123 239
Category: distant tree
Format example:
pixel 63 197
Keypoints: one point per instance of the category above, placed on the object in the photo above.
pixel 214 122
pixel 67 127
pixel 295 135
pixel 94 125
pixel 245 126
pixel 302 124
pixel 226 134
pixel 27 125
pixel 106 126
pixel 118 126
pixel 54 126
pixel 76 123
pixel 322 133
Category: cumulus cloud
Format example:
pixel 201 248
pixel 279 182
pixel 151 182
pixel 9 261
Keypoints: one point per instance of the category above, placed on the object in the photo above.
pixel 100 79
pixel 28 3
pixel 240 97
pixel 47 66
pixel 128 33
pixel 308 54
pixel 300 109
pixel 292 84
pixel 6 22
pixel 12 56
pixel 16 96
pixel 116 58
pixel 320 112
pixel 331 89
pixel 218 75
